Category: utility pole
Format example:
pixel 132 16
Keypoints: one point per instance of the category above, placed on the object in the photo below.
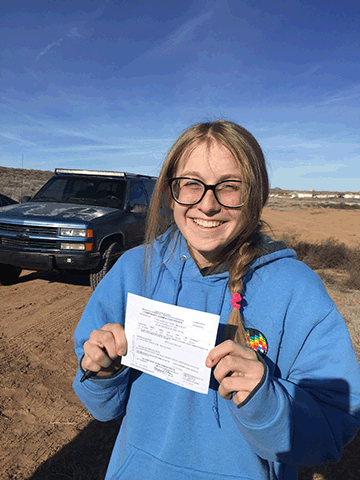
pixel 22 176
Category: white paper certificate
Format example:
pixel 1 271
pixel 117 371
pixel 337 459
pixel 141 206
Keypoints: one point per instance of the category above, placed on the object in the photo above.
pixel 169 342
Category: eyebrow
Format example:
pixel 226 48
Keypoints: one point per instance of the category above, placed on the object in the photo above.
pixel 221 178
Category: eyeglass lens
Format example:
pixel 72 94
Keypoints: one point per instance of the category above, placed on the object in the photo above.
pixel 188 191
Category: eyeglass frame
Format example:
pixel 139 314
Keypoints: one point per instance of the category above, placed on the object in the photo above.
pixel 207 187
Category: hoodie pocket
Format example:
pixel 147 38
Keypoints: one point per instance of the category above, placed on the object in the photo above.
pixel 140 465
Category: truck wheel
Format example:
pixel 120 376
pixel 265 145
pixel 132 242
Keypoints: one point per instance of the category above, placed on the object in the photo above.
pixel 9 274
pixel 109 257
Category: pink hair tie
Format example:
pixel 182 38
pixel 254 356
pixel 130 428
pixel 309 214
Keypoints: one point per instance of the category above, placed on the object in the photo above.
pixel 235 300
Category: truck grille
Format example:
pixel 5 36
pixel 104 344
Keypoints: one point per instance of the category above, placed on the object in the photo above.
pixel 27 242
pixel 29 229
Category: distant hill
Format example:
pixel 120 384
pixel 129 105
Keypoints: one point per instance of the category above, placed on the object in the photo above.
pixel 17 182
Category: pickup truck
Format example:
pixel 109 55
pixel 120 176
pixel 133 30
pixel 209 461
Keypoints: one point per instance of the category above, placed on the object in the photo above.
pixel 79 220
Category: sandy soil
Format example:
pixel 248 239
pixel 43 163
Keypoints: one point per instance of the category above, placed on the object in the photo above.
pixel 316 224
pixel 45 431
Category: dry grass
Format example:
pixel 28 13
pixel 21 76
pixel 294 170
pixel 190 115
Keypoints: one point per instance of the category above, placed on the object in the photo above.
pixel 329 254
pixel 339 267
pixel 17 182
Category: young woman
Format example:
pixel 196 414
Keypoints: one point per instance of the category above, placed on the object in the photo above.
pixel 285 384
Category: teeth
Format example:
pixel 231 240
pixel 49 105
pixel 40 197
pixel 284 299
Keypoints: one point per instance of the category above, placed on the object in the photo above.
pixel 206 223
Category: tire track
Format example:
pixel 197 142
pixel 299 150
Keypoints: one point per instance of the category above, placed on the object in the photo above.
pixel 64 318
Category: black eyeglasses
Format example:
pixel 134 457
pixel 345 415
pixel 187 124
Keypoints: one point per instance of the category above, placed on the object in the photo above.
pixel 190 191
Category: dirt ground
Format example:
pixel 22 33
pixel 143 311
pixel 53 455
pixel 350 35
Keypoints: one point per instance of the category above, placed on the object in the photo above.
pixel 315 224
pixel 45 431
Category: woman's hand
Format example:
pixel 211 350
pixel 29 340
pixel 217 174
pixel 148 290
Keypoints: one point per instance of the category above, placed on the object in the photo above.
pixel 237 369
pixel 104 349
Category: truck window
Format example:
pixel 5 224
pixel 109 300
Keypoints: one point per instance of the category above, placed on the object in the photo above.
pixel 137 194
pixel 149 187
pixel 81 190
pixel 52 191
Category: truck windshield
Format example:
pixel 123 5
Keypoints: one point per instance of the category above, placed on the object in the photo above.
pixel 103 192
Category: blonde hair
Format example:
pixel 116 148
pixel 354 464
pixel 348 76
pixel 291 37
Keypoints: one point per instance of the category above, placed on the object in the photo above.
pixel 240 253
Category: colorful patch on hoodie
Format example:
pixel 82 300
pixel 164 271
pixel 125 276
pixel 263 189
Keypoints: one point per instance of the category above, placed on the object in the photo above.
pixel 257 341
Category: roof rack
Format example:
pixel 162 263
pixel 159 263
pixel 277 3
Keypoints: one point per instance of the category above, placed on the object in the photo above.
pixel 103 173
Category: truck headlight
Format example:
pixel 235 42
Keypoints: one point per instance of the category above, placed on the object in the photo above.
pixel 72 246
pixel 76 232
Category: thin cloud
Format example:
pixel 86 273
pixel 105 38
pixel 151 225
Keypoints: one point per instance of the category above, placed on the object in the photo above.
pixel 284 142
pixel 347 94
pixel 49 47
pixel 313 69
pixel 73 32
pixel 16 138
pixel 182 34
pixel 135 147
pixel 301 145
pixel 30 72
pixel 303 170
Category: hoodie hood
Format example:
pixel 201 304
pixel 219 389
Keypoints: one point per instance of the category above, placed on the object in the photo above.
pixel 171 247
pixel 272 250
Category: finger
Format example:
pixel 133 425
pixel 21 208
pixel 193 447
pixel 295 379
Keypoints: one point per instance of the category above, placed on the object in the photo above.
pixel 242 382
pixel 88 364
pixel 104 347
pixel 237 397
pixel 94 358
pixel 236 383
pixel 101 346
pixel 229 366
pixel 110 337
pixel 232 366
pixel 226 348
pixel 119 338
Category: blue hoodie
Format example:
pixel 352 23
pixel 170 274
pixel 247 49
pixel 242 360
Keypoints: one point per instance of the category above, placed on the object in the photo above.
pixel 305 411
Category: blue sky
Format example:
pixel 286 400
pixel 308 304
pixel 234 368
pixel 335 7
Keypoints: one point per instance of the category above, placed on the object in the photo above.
pixel 111 84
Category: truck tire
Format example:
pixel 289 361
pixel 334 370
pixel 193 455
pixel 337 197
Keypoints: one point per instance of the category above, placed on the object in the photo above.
pixel 9 274
pixel 109 257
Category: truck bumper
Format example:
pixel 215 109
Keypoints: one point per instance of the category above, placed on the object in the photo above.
pixel 50 261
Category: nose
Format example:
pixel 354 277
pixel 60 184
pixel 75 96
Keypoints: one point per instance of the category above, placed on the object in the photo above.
pixel 209 204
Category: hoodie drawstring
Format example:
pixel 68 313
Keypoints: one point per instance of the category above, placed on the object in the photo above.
pixel 215 407
pixel 222 297
pixel 183 259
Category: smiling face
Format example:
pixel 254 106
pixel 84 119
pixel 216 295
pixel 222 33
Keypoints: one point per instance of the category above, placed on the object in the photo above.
pixel 207 226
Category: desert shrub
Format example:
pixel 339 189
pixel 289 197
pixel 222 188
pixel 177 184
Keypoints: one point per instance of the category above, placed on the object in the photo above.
pixel 328 254
pixel 354 267
pixel 341 206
